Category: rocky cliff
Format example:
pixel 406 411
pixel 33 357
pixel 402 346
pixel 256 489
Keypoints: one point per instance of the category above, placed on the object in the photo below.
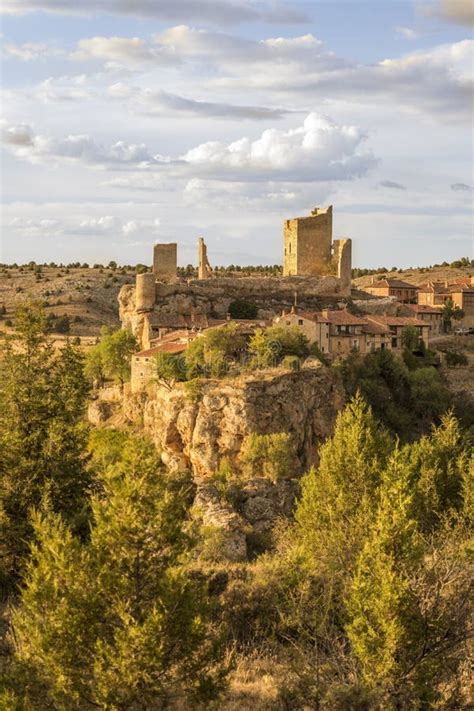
pixel 200 427
pixel 197 429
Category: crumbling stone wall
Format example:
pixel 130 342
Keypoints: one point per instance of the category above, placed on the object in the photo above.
pixel 165 261
pixel 342 259
pixel 307 244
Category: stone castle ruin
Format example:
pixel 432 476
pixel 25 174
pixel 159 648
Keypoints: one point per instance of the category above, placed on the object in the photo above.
pixel 309 249
pixel 316 270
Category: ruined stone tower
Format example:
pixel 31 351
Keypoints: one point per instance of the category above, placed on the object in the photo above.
pixel 308 244
pixel 204 268
pixel 165 261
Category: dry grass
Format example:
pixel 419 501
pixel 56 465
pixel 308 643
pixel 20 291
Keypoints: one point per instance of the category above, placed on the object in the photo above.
pixel 253 685
pixel 419 276
pixel 87 296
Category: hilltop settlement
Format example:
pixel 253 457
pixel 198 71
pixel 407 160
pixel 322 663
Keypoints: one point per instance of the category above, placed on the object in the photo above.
pixel 165 312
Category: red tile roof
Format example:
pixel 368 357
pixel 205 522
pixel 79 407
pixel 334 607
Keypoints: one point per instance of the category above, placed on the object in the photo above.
pixel 392 283
pixel 397 321
pixel 425 308
pixel 375 328
pixel 341 317
pixel 162 348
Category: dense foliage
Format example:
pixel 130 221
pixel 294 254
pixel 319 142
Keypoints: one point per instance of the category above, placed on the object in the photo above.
pixel 88 609
pixel 43 395
pixel 110 358
pixel 362 603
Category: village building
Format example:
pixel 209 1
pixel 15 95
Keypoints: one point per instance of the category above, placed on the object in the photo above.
pixel 378 337
pixel 433 315
pixel 143 363
pixel 346 332
pixel 397 325
pixel 461 293
pixel 401 290
pixel 313 325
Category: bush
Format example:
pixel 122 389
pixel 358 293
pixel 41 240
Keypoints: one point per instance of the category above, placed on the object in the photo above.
pixel 291 362
pixel 63 324
pixel 243 309
pixel 454 358
pixel 271 456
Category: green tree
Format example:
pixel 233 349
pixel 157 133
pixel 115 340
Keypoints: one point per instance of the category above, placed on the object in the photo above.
pixel 268 347
pixel 337 498
pixel 111 357
pixel 270 455
pixel 451 312
pixel 43 395
pixel 243 309
pixel 209 354
pixel 168 369
pixel 410 338
pixel 408 602
pixel 117 622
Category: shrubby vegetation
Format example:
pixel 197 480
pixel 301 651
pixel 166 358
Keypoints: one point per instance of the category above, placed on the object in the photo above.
pixel 116 621
pixel 366 602
pixel 43 395
pixel 363 602
pixel 110 358
pixel 407 396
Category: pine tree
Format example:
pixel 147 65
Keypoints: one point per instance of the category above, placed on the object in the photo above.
pixel 117 622
pixel 338 496
pixel 42 436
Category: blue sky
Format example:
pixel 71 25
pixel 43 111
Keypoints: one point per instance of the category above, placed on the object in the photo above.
pixel 139 121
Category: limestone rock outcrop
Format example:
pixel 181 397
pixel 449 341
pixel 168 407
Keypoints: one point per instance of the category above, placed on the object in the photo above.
pixel 196 428
pixel 198 431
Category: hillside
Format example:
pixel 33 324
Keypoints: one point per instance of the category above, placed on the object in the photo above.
pixel 88 296
pixel 417 276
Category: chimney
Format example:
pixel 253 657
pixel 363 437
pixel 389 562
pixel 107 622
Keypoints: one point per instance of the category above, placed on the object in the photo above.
pixel 283 313
pixel 325 313
pixel 372 279
pixel 293 310
pixel 228 316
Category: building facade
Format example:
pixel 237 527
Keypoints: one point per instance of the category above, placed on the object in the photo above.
pixel 402 291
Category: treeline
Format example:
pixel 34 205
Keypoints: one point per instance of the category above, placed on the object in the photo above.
pixel 361 602
pixel 456 264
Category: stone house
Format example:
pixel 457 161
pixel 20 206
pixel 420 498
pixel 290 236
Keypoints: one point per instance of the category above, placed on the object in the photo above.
pixel 313 325
pixel 397 325
pixel 401 290
pixel 461 294
pixel 433 315
pixel 378 337
pixel 142 364
pixel 346 332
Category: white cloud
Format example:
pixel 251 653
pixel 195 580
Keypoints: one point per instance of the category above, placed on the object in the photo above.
pixel 461 187
pixel 147 101
pixel 123 50
pixel 63 89
pixel 31 51
pixel 392 184
pixel 37 148
pixel 317 150
pixel 215 11
pixel 407 33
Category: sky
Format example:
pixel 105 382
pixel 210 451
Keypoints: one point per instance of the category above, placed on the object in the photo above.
pixel 131 122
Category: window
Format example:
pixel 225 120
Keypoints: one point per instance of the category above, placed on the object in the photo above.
pixel 394 342
pixel 300 322
pixel 289 247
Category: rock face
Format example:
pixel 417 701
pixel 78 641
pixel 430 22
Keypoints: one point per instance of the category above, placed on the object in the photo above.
pixel 197 428
pixel 198 432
